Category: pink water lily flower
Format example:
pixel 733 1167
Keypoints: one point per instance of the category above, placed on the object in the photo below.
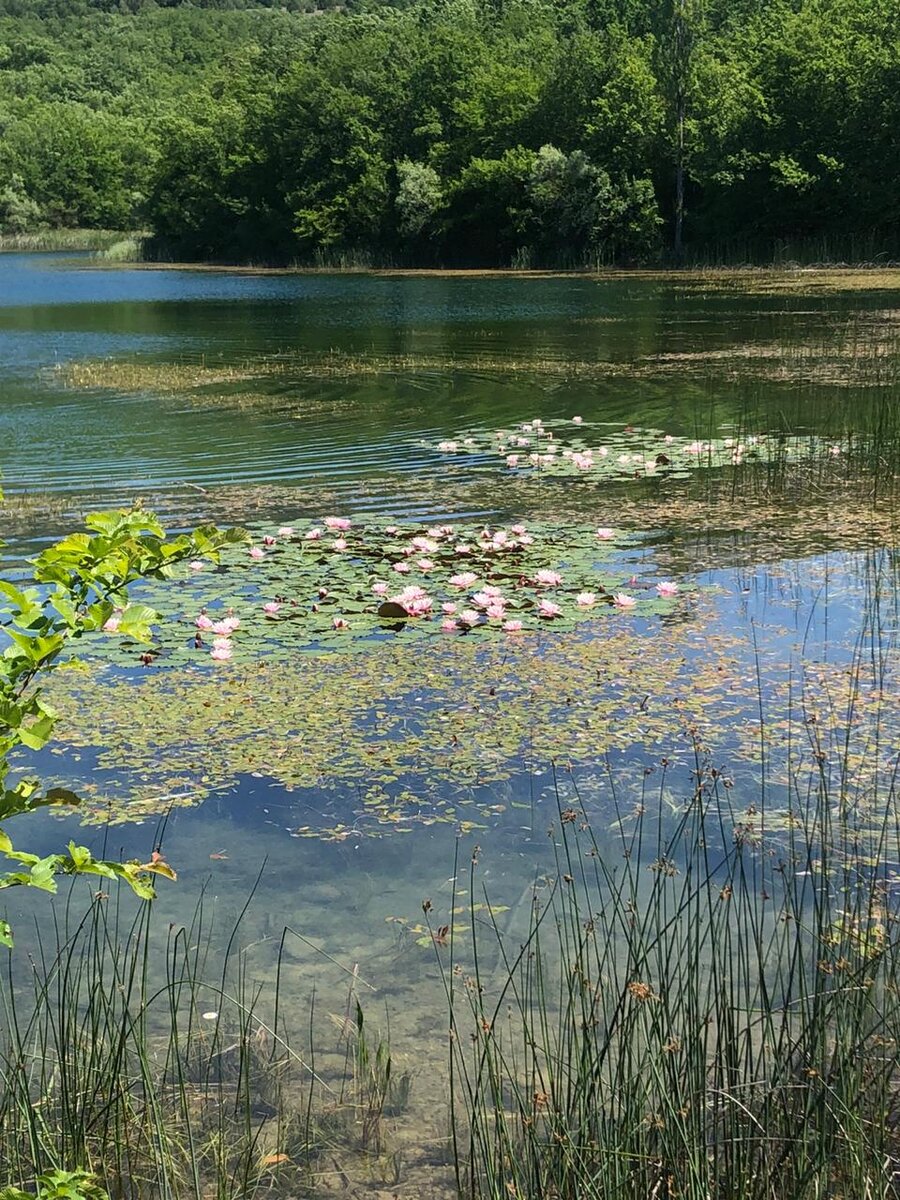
pixel 203 622
pixel 341 523
pixel 196 565
pixel 339 544
pixel 606 535
pixel 427 545
pixel 512 460
pixel 666 587
pixel 548 609
pixel 402 568
pixel 448 447
pixel 462 549
pixel 518 530
pixel 449 607
pixel 512 626
pixel 622 600
pixel 257 552
pixel 496 612
pixel 586 599
pixel 379 588
pixel 340 623
pixel 226 626
pixel 448 625
pixel 286 531
pixel 464 580
pixel 111 624
pixel 221 653
pixel 271 608
pixel 469 616
pixel 577 420
pixel 222 643
pixel 546 578
pixel 425 564
pixel 391 529
pixel 312 535
pixel 268 540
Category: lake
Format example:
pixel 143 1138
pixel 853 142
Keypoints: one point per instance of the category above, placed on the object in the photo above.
pixel 710 459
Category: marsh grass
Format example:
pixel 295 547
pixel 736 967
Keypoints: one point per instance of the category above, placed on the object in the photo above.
pixel 683 1023
pixel 705 1006
pixel 165 1070
pixel 62 239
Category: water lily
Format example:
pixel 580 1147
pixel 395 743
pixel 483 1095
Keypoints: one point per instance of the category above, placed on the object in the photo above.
pixel 586 599
pixel 577 420
pixel 448 626
pixel 203 622
pixel 496 612
pixel 425 564
pixel 547 578
pixel 512 460
pixel 339 544
pixel 469 617
pixel 606 535
pixel 448 447
pixel 340 623
pixel 226 626
pixel 341 523
pixel 271 608
pixel 286 531
pixel 222 643
pixel 111 624
pixel 402 568
pixel 379 588
pixel 622 600
pixel 512 627
pixel 449 607
pixel 268 540
pixel 196 564
pixel 221 653
pixel 666 587
pixel 257 552
pixel 548 609
pixel 464 580
pixel 312 535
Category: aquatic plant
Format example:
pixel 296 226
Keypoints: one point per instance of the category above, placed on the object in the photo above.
pixel 678 1020
pixel 135 1064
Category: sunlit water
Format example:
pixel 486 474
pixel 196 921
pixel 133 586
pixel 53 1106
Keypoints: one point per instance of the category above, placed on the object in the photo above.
pixel 367 442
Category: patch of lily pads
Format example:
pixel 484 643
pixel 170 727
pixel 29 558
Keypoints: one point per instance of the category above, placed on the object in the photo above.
pixel 598 451
pixel 345 584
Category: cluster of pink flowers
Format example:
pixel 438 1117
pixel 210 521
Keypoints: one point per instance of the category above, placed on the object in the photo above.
pixel 222 646
pixel 414 600
pixel 480 603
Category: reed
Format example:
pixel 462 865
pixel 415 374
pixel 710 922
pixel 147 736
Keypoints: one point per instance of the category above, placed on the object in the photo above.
pixel 699 1006
pixel 144 1067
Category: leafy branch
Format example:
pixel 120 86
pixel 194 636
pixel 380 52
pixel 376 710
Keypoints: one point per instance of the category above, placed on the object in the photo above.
pixel 79 586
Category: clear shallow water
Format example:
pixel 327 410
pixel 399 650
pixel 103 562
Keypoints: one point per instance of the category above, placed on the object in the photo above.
pixel 448 355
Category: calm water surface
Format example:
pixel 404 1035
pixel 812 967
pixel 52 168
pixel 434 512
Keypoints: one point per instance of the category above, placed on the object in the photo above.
pixel 364 442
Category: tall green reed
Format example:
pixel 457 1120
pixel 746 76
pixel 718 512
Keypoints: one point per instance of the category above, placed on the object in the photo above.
pixel 700 1008
pixel 157 1066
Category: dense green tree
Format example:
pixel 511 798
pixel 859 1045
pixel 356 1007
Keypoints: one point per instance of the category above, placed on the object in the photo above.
pixel 455 131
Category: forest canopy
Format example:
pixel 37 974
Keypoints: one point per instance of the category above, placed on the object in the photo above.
pixel 460 132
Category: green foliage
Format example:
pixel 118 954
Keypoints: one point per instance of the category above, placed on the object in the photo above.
pixel 410 133
pixel 60 1185
pixel 79 586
